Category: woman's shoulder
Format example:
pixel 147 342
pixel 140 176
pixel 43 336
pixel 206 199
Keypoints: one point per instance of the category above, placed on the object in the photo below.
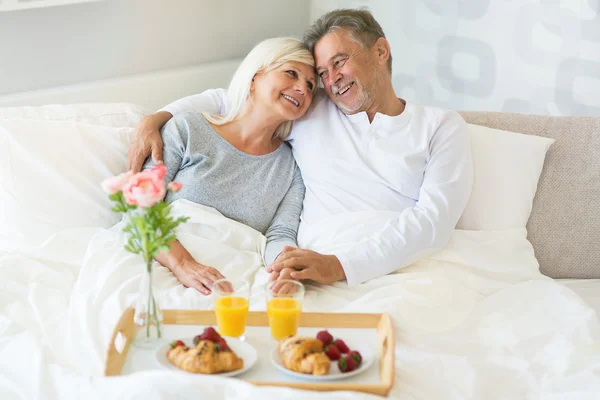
pixel 286 150
pixel 187 127
pixel 188 117
pixel 285 156
pixel 188 121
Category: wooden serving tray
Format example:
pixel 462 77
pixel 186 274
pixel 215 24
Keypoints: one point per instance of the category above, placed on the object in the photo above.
pixel 126 330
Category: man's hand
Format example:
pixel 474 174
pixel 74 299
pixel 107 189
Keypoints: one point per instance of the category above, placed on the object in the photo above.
pixel 307 264
pixel 198 276
pixel 146 141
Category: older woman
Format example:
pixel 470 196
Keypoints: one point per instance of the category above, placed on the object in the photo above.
pixel 236 161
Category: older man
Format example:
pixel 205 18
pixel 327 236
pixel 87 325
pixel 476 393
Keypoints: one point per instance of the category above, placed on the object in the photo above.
pixel 360 149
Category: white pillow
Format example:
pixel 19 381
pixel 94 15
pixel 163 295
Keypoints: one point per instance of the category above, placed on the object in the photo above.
pixel 105 114
pixel 50 174
pixel 50 170
pixel 507 167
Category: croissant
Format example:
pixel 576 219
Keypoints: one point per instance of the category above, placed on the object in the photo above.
pixel 205 358
pixel 304 355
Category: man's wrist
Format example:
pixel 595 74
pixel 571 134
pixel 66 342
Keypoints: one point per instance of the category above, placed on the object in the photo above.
pixel 152 124
pixel 339 272
pixel 156 121
pixel 160 118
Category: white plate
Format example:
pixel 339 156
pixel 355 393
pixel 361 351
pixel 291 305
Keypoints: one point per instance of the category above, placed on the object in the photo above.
pixel 334 371
pixel 244 350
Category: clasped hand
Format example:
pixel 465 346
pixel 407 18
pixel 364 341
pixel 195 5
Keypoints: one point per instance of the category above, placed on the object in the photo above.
pixel 301 264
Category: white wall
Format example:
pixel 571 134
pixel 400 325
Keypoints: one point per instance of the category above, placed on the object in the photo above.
pixel 530 56
pixel 65 45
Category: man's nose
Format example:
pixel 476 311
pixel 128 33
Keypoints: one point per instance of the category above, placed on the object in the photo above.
pixel 333 76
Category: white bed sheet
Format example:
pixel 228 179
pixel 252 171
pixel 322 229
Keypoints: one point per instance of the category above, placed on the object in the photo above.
pixel 476 320
pixel 587 289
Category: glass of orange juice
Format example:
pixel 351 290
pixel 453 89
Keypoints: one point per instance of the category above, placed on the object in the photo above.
pixel 284 305
pixel 231 306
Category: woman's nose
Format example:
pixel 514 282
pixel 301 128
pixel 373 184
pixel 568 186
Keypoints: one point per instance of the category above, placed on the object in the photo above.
pixel 301 88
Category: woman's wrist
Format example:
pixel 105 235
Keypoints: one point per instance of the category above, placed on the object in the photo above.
pixel 176 258
pixel 184 263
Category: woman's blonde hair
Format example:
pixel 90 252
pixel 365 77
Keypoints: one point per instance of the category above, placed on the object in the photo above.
pixel 264 57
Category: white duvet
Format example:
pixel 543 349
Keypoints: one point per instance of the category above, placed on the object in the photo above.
pixel 474 321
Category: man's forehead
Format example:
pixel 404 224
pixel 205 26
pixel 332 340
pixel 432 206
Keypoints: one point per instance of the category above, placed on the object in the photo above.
pixel 332 45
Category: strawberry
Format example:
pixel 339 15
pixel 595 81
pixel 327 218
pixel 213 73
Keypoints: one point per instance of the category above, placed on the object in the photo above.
pixel 211 334
pixel 346 364
pixel 325 337
pixel 177 343
pixel 339 343
pixel 211 331
pixel 355 355
pixel 223 345
pixel 197 339
pixel 332 352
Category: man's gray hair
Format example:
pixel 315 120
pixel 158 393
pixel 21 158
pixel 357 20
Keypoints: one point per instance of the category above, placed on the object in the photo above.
pixel 360 24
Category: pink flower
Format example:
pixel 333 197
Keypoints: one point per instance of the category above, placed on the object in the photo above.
pixel 145 188
pixel 160 170
pixel 115 184
pixel 174 187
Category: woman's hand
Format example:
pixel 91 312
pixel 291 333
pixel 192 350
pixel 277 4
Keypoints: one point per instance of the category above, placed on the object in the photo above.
pixel 283 274
pixel 282 287
pixel 189 271
pixel 195 275
pixel 146 140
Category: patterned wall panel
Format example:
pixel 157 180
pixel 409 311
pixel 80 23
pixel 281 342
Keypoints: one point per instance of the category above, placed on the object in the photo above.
pixel 527 56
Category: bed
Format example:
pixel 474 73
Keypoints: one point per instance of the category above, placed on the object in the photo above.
pixel 587 289
pixel 509 309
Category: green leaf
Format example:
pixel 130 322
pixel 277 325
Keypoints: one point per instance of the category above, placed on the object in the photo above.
pixel 131 249
pixel 148 231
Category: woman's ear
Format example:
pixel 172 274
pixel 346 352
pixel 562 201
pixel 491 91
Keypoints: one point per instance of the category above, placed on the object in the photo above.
pixel 252 83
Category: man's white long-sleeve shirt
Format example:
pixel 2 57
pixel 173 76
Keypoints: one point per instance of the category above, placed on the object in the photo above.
pixel 417 164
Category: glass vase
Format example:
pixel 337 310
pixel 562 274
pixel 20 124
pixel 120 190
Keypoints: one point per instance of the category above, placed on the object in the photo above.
pixel 148 316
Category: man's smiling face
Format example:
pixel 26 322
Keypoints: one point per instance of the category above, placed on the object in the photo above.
pixel 347 71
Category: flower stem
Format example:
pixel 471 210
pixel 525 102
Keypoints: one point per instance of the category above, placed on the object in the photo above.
pixel 156 320
pixel 150 299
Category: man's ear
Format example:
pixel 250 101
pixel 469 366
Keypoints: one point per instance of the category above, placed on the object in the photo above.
pixel 382 51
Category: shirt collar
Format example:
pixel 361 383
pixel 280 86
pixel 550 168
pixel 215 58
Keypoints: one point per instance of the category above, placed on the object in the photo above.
pixel 383 119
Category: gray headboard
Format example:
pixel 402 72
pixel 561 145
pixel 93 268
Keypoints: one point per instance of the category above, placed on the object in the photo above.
pixel 564 226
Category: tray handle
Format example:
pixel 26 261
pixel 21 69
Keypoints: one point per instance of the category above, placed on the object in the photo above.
pixel 119 343
pixel 387 350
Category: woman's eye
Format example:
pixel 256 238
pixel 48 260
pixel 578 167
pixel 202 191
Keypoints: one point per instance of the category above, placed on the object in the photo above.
pixel 310 85
pixel 292 73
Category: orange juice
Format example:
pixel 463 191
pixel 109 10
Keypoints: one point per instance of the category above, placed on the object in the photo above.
pixel 231 312
pixel 284 315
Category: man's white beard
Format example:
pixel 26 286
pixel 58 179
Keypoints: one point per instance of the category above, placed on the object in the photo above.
pixel 365 96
